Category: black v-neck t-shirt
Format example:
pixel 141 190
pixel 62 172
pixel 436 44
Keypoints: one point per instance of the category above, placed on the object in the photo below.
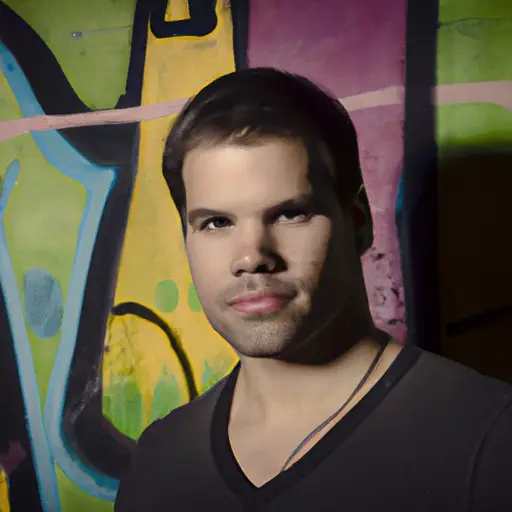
pixel 431 435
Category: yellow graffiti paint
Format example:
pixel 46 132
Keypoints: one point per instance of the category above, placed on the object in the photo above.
pixel 9 108
pixel 75 499
pixel 177 10
pixel 153 249
pixel 137 352
pixel 4 492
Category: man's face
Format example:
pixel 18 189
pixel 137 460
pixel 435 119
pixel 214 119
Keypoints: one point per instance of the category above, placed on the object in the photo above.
pixel 271 253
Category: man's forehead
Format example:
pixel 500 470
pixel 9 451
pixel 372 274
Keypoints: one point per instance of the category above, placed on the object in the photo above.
pixel 240 145
pixel 239 166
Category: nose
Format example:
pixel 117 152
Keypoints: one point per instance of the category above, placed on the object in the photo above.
pixel 254 252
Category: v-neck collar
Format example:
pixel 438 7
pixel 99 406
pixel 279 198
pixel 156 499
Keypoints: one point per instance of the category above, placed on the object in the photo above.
pixel 254 497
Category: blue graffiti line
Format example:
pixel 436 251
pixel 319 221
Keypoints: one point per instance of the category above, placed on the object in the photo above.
pixel 399 201
pixel 43 462
pixel 98 182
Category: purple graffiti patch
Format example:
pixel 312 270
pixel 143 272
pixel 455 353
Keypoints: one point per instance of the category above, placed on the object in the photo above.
pixel 13 458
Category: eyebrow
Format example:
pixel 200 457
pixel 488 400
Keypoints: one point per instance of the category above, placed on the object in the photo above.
pixel 198 214
pixel 301 201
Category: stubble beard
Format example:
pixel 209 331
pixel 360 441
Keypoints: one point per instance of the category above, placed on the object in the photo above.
pixel 261 336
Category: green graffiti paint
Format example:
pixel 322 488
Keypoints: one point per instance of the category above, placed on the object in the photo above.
pixel 166 296
pixel 122 405
pixel 168 396
pixel 193 299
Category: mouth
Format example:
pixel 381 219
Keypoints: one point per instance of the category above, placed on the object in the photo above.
pixel 260 303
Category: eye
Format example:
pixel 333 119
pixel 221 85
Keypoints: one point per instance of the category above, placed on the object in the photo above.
pixel 215 224
pixel 293 217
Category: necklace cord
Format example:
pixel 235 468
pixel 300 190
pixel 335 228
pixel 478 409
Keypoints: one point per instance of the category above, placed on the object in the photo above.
pixel 336 413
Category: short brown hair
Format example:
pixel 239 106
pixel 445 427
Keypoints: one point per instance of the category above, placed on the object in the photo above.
pixel 245 106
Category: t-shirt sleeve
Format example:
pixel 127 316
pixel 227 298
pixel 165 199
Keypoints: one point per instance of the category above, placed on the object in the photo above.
pixel 134 484
pixel 492 476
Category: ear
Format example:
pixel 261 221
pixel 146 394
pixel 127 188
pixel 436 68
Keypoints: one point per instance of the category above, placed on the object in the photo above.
pixel 362 219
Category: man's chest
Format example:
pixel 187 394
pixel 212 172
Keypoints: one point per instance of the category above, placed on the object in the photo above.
pixel 352 483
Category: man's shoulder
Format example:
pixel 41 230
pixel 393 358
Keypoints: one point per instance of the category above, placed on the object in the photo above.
pixel 172 447
pixel 479 410
pixel 459 386
pixel 444 411
pixel 193 416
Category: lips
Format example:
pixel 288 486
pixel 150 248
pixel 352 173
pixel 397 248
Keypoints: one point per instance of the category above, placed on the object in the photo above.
pixel 260 303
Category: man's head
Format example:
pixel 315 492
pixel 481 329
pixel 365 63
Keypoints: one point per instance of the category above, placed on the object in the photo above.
pixel 263 167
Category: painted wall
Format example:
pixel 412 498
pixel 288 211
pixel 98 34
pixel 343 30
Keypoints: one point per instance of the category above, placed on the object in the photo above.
pixel 475 179
pixel 101 331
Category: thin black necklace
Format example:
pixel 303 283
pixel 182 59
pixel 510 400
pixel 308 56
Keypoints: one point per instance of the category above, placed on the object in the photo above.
pixel 336 413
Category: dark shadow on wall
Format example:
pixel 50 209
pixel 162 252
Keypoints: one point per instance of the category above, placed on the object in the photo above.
pixel 15 447
pixel 454 224
pixel 88 433
pixel 417 223
pixel 475 263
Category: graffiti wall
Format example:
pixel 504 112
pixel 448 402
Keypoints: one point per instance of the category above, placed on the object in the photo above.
pixel 101 331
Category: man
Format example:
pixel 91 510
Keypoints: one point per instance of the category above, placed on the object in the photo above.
pixel 323 413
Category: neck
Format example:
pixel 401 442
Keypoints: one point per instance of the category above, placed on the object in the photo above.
pixel 271 388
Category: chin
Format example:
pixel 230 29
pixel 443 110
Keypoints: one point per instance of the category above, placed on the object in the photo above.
pixel 267 338
pixel 257 352
pixel 253 347
pixel 270 349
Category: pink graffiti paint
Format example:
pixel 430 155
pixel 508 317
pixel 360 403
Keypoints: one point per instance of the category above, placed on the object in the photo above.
pixel 13 458
pixel 498 93
pixel 9 129
pixel 328 42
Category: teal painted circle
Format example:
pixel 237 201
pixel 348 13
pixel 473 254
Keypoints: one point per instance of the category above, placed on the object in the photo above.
pixel 193 299
pixel 43 302
pixel 166 296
